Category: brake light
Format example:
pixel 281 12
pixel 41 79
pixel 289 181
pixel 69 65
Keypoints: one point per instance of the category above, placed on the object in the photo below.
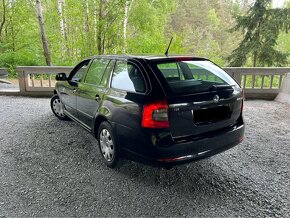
pixel 183 58
pixel 155 115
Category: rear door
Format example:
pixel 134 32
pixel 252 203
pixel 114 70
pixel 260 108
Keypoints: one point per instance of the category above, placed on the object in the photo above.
pixel 201 96
pixel 91 91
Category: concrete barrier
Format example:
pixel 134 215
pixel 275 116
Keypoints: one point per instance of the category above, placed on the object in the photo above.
pixel 257 82
pixel 3 73
pixel 284 95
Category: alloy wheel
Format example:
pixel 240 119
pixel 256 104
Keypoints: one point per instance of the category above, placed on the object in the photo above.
pixel 58 107
pixel 107 145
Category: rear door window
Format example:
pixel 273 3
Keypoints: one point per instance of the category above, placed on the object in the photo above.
pixel 128 77
pixel 96 71
pixel 185 77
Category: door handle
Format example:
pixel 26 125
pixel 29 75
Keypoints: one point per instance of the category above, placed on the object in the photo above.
pixel 98 98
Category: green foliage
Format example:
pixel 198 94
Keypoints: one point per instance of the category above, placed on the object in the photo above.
pixel 283 44
pixel 213 19
pixel 146 32
pixel 97 27
pixel 202 28
pixel 261 27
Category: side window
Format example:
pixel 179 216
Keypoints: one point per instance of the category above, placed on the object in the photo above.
pixel 78 75
pixel 107 73
pixel 96 71
pixel 128 77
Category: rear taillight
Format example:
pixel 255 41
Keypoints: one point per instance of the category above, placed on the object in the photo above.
pixel 155 115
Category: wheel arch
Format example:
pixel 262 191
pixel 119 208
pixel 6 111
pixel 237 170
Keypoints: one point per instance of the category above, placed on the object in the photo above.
pixel 98 120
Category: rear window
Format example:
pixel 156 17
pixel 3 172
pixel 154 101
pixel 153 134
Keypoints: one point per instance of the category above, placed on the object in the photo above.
pixel 185 77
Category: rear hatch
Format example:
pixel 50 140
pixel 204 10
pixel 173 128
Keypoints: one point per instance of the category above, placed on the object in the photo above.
pixel 202 98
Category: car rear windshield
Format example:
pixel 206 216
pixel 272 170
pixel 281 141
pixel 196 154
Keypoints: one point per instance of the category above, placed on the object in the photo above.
pixel 185 77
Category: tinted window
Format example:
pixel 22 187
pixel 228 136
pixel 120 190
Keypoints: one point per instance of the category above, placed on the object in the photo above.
pixel 193 76
pixel 128 77
pixel 171 71
pixel 96 71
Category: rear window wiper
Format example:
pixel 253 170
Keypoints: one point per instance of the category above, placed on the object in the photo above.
pixel 215 87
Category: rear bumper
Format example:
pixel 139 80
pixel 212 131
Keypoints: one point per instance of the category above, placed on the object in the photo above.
pixel 184 152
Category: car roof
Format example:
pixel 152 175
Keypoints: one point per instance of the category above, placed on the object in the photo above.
pixel 151 57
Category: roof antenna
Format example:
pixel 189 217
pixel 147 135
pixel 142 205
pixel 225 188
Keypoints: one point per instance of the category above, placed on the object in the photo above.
pixel 166 53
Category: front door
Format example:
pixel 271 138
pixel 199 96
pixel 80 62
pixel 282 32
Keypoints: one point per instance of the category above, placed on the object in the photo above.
pixel 69 88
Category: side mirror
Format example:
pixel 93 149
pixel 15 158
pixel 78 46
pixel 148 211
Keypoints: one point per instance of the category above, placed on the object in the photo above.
pixel 61 77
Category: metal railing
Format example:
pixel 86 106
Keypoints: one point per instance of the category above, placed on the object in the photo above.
pixel 257 82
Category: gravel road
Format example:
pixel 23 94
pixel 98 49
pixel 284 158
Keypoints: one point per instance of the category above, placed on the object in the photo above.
pixel 8 85
pixel 50 168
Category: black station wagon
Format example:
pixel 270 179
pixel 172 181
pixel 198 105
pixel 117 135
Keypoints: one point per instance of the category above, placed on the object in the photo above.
pixel 159 110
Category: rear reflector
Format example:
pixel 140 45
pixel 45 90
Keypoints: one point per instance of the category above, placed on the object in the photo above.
pixel 243 94
pixel 176 158
pixel 155 115
pixel 241 138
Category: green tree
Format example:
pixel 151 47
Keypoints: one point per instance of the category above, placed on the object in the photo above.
pixel 147 26
pixel 261 27
pixel 20 41
pixel 202 28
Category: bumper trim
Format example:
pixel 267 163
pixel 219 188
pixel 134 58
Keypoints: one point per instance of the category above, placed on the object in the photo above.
pixel 176 158
pixel 189 151
pixel 170 162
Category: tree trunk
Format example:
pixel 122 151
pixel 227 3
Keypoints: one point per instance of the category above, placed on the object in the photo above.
pixel 3 19
pixel 125 26
pixel 42 32
pixel 255 59
pixel 95 25
pixel 10 33
pixel 61 23
pixel 127 10
pixel 100 25
pixel 65 31
pixel 87 29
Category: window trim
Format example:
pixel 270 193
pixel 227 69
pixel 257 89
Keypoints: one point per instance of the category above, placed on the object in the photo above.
pixel 110 73
pixel 76 69
pixel 134 64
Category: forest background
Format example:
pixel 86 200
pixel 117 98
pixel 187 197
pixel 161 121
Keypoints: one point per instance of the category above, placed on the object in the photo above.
pixel 75 29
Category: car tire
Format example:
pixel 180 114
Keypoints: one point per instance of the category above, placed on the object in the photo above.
pixel 108 145
pixel 58 108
